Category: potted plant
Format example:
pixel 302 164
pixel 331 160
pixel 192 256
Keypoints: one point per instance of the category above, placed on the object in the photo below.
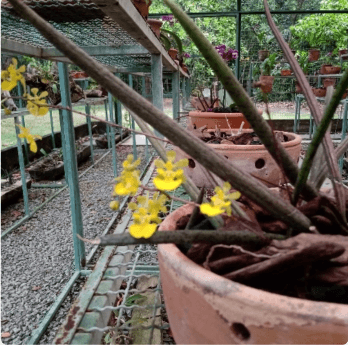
pixel 305 65
pixel 266 79
pixel 343 51
pixel 264 41
pixel 267 303
pixel 286 71
pixel 143 7
pixel 155 25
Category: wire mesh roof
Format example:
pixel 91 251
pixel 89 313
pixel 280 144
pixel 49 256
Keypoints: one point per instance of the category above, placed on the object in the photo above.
pixel 79 20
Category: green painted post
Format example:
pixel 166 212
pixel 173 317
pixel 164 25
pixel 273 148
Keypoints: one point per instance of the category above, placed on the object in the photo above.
pixel 89 124
pixel 143 92
pixel 188 89
pixel 183 93
pixel 344 128
pixel 107 126
pixel 238 37
pixel 22 168
pixel 70 167
pixel 176 94
pixel 157 83
pixel 112 129
pixel 297 113
pixel 135 153
pixel 119 112
pixel 52 130
pixel 21 105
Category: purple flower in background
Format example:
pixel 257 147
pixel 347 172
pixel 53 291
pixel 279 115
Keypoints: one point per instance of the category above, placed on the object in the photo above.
pixel 168 18
pixel 230 54
pixel 187 55
pixel 210 109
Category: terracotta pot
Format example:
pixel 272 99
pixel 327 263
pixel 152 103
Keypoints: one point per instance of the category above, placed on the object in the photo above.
pixel 285 72
pixel 266 83
pixel 173 53
pixel 184 68
pixel 205 308
pixel 298 88
pixel 323 68
pixel 253 159
pixel 211 119
pixel 319 92
pixel 332 69
pixel 329 82
pixel 343 52
pixel 313 54
pixel 143 7
pixel 263 55
pixel 155 26
pixel 345 95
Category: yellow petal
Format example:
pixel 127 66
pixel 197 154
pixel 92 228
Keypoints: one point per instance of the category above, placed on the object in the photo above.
pixel 162 184
pixel 234 196
pixel 210 210
pixel 33 146
pixel 43 111
pixel 145 230
pixel 7 111
pixel 8 85
pixel 44 94
pixel 114 205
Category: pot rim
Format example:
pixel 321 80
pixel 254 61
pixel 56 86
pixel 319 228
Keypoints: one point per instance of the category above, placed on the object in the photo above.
pixel 208 114
pixel 226 147
pixel 214 283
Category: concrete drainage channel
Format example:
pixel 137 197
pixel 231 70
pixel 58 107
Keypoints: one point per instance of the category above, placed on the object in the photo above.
pixel 110 293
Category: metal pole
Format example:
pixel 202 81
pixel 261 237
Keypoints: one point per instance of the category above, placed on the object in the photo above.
pixel 52 131
pixel 70 167
pixel 22 168
pixel 157 83
pixel 21 105
pixel 344 128
pixel 118 110
pixel 89 124
pixel 143 91
pixel 112 129
pixel 238 36
pixel 176 93
pixel 135 153
pixel 107 126
pixel 183 100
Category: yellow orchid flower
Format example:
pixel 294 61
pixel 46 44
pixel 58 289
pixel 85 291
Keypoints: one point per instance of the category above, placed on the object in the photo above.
pixel 220 202
pixel 11 76
pixel 128 183
pixel 114 205
pixel 36 104
pixel 170 175
pixel 25 134
pixel 129 165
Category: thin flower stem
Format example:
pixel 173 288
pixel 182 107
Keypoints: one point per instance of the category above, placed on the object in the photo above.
pixel 170 196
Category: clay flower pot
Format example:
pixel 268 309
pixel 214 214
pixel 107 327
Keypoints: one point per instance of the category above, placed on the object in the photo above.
pixel 173 53
pixel 211 119
pixel 285 72
pixel 323 68
pixel 155 26
pixel 263 54
pixel 253 159
pixel 313 55
pixel 319 92
pixel 332 69
pixel 329 82
pixel 205 308
pixel 343 52
pixel 266 83
pixel 298 88
pixel 143 7
pixel 345 95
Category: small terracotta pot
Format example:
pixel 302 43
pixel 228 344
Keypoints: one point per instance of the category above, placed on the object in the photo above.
pixel 221 120
pixel 285 72
pixel 173 53
pixel 313 55
pixel 345 95
pixel 266 83
pixel 155 26
pixel 263 55
pixel 332 69
pixel 253 159
pixel 298 88
pixel 343 52
pixel 143 7
pixel 329 82
pixel 319 92
pixel 205 308
pixel 323 68
pixel 184 68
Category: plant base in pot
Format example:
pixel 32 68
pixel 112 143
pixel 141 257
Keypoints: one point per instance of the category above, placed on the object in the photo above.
pixel 313 55
pixel 155 26
pixel 266 83
pixel 319 92
pixel 143 7
pixel 329 82
pixel 263 55
pixel 343 52
pixel 206 308
pixel 253 159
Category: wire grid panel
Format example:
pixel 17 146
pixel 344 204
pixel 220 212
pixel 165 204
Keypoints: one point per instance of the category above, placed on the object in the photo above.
pixel 139 307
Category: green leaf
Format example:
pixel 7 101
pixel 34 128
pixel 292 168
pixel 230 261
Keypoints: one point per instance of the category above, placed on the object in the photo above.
pixel 131 299
pixel 107 338
pixel 165 41
pixel 176 39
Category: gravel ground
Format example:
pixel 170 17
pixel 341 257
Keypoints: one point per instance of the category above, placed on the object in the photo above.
pixel 37 260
